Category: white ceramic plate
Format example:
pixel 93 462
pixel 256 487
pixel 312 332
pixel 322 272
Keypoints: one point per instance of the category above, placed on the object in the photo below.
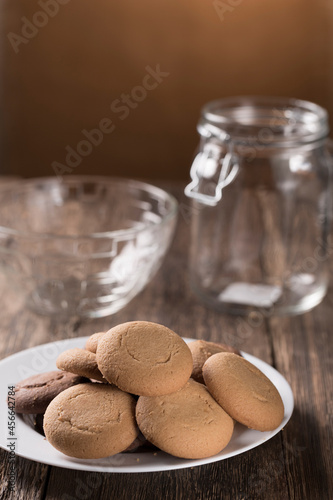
pixel 30 444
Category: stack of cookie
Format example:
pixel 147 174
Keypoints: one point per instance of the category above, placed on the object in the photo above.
pixel 141 377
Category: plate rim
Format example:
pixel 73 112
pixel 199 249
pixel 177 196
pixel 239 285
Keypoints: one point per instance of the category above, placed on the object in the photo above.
pixel 76 464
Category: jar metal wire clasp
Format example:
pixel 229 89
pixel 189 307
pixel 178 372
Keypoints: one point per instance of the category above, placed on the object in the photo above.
pixel 211 171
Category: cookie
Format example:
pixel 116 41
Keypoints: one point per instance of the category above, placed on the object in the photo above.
pixel 35 421
pixel 243 391
pixel 81 362
pixel 201 350
pixel 187 423
pixel 92 342
pixel 144 358
pixel 33 394
pixel 138 442
pixel 91 421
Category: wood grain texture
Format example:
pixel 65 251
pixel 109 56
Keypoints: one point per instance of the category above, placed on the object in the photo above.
pixel 303 354
pixel 30 481
pixel 295 464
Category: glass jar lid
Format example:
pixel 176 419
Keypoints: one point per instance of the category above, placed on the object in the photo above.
pixel 271 121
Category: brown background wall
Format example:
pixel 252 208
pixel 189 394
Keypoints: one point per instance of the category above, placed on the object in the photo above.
pixel 64 78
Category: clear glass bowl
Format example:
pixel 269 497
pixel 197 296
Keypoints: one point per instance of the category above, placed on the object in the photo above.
pixel 83 246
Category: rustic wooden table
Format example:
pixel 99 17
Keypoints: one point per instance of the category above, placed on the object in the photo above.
pixel 295 464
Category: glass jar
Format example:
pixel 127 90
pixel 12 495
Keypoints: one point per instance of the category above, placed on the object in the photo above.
pixel 260 206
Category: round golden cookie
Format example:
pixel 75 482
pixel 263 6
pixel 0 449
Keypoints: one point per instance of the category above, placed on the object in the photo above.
pixel 144 358
pixel 92 341
pixel 91 421
pixel 202 350
pixel 243 391
pixel 81 362
pixel 187 423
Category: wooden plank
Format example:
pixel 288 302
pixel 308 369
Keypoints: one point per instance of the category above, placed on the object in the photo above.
pixel 302 348
pixel 30 481
pixel 242 477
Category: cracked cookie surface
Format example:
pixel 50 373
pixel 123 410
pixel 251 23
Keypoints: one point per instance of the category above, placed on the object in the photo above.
pixel 187 424
pixel 202 350
pixel 243 391
pixel 33 395
pixel 91 421
pixel 80 362
pixel 144 358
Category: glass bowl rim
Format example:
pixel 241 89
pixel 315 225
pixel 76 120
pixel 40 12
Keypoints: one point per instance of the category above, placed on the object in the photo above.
pixel 138 184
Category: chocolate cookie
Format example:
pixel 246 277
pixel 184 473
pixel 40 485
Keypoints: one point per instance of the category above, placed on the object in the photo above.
pixel 202 350
pixel 144 358
pixel 138 442
pixel 33 394
pixel 243 391
pixel 81 362
pixel 187 423
pixel 92 342
pixel 35 421
pixel 91 421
